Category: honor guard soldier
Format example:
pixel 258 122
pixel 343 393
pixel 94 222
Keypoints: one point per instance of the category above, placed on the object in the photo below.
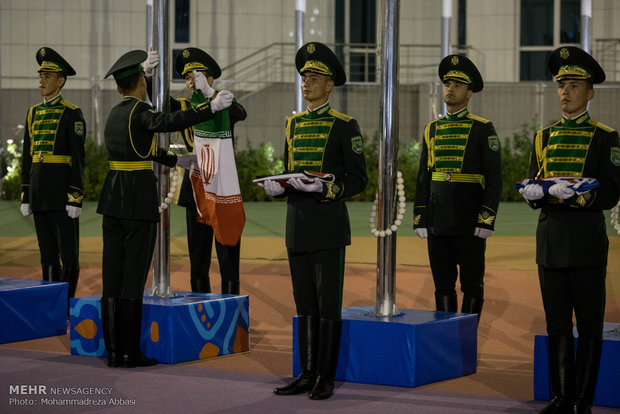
pixel 53 171
pixel 571 239
pixel 129 202
pixel 458 189
pixel 199 70
pixel 323 140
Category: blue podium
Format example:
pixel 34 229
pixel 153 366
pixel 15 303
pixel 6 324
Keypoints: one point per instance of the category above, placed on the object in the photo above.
pixel 31 309
pixel 187 327
pixel 608 382
pixel 414 349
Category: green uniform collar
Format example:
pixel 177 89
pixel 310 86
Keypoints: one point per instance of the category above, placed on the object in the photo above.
pixel 579 121
pixel 457 116
pixel 53 102
pixel 319 112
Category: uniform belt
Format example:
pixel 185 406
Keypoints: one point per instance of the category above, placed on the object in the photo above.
pixel 455 177
pixel 130 165
pixel 52 159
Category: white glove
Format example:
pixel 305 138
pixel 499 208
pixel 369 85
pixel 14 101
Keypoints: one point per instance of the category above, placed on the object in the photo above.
pixel 222 100
pixel 482 233
pixel 150 63
pixel 561 190
pixel 315 186
pixel 422 232
pixel 532 192
pixel 272 188
pixel 186 161
pixel 25 209
pixel 73 211
pixel 201 84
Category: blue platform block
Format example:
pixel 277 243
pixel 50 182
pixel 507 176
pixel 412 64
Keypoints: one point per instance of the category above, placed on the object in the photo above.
pixel 31 309
pixel 608 382
pixel 414 349
pixel 187 327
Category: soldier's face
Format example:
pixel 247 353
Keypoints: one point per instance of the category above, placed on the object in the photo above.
pixel 316 88
pixel 574 95
pixel 456 94
pixel 50 84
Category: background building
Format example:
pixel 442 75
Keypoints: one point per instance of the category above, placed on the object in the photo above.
pixel 253 41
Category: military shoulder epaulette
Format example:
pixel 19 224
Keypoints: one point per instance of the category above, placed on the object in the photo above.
pixel 600 125
pixel 298 114
pixel 68 104
pixel 478 118
pixel 340 115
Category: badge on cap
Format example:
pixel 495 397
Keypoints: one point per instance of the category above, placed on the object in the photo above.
pixel 311 48
pixel 564 54
pixel 454 60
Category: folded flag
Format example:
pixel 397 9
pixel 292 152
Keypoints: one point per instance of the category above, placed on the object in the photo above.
pixel 579 184
pixel 306 176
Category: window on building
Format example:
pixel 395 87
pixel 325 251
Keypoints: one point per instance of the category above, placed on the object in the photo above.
pixel 175 53
pixel 360 17
pixel 181 21
pixel 462 20
pixel 545 25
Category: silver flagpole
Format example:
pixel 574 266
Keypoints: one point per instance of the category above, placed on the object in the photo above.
pixel 446 15
pixel 388 159
pixel 586 16
pixel 161 95
pixel 300 10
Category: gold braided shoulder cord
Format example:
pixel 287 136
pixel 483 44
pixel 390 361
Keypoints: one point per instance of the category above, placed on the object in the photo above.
pixel 153 145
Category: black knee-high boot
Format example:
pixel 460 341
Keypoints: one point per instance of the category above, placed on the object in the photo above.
pixel 446 302
pixel 329 348
pixel 472 304
pixel 130 321
pixel 202 285
pixel 308 335
pixel 588 361
pixel 230 287
pixel 561 374
pixel 111 332
pixel 51 272
pixel 70 274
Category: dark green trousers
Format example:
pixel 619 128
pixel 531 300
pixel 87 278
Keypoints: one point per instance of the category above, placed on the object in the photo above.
pixel 127 254
pixel 317 282
pixel 59 238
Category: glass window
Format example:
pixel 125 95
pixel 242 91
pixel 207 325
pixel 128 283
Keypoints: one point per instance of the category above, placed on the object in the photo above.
pixel 181 21
pixel 175 53
pixel 570 21
pixel 536 23
pixel 534 66
pixel 462 27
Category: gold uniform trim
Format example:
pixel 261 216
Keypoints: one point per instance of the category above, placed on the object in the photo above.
pixel 130 165
pixel 456 177
pixel 52 159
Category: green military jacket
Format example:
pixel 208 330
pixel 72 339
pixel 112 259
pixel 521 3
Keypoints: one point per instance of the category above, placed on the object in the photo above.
pixel 572 232
pixel 130 188
pixel 53 156
pixel 460 177
pixel 328 141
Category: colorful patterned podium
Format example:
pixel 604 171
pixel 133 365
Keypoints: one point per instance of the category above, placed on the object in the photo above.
pixel 608 382
pixel 414 349
pixel 187 327
pixel 31 309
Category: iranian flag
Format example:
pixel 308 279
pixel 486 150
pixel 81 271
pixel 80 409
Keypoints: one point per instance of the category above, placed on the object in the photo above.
pixel 216 185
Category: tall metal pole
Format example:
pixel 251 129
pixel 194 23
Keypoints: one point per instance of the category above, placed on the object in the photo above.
pixel 300 10
pixel 388 159
pixel 586 16
pixel 161 96
pixel 446 16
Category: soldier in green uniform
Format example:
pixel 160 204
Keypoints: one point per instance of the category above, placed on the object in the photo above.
pixel 571 239
pixel 317 223
pixel 199 70
pixel 53 171
pixel 458 189
pixel 129 202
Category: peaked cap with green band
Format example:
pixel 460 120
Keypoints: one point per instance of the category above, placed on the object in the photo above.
pixel 51 61
pixel 192 58
pixel 570 62
pixel 460 69
pixel 315 57
pixel 128 64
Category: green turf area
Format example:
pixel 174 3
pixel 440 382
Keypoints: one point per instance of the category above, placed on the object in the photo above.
pixel 268 219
